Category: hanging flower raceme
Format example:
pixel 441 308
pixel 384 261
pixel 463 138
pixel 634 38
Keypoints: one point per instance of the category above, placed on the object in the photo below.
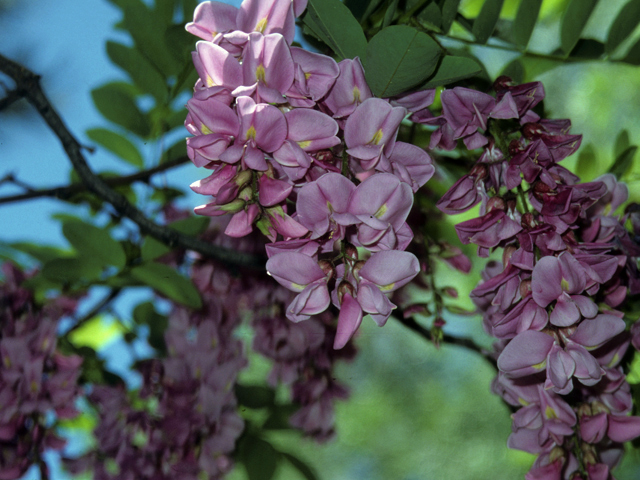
pixel 562 262
pixel 307 133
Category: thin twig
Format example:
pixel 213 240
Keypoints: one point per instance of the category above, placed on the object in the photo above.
pixel 97 308
pixel 28 84
pixel 424 332
pixel 11 97
pixel 64 192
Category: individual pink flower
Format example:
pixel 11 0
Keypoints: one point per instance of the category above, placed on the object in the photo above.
pixel 349 90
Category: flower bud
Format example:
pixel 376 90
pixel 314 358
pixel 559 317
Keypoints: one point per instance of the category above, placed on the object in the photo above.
pixel 556 453
pixel 357 267
pixel 343 288
pixel 496 203
pixel 243 178
pixel 515 147
pixel 528 221
pixel 584 410
pixel 351 251
pixel 327 268
pixel 246 194
pixel 501 83
pixel 525 288
pixel 531 130
pixel 507 253
pixel 479 171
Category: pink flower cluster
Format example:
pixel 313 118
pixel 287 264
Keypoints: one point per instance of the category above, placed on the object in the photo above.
pixel 38 384
pixel 281 127
pixel 552 301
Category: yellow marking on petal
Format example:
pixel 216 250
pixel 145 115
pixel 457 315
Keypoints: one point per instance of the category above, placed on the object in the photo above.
pixel 550 413
pixel 304 143
pixel 210 82
pixel 564 285
pixel 307 75
pixel 614 360
pixel 34 386
pixel 523 402
pixel 251 133
pixel 541 365
pixel 387 288
pixel 260 74
pixel 356 94
pixel 381 211
pixel 205 130
pixel 376 138
pixel 297 286
pixel 262 25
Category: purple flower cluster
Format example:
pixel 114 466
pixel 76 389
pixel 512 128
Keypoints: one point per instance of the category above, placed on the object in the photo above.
pixel 552 301
pixel 38 384
pixel 281 127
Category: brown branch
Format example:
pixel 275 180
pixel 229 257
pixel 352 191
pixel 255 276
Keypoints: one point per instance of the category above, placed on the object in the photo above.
pixel 424 332
pixel 28 85
pixel 65 192
pixel 97 308
pixel 12 97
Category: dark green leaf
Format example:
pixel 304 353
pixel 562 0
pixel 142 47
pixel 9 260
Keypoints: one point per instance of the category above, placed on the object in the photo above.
pixel 332 22
pixel 399 58
pixel 623 162
pixel 588 49
pixel 117 144
pixel 304 468
pixel 169 283
pixel 145 314
pixel 573 22
pixel 70 270
pixel 623 26
pixel 449 12
pixel 119 106
pixel 524 22
pixel 622 143
pixel 254 396
pixel 388 15
pixel 259 458
pixel 514 70
pixel 144 74
pixel 431 15
pixel 357 7
pixel 371 7
pixel 633 55
pixel 486 21
pixel 147 29
pixel 42 253
pixel 94 242
pixel 179 43
pixel 152 248
pixel 279 417
pixel 177 150
pixel 453 69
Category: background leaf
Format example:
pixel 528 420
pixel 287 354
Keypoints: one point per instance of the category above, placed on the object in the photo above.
pixel 119 106
pixel 169 283
pixel 332 22
pixel 449 12
pixel 525 21
pixel 96 333
pixel 485 22
pixel 398 58
pixel 143 73
pixel 91 241
pixel 623 26
pixel 623 162
pixel 573 22
pixel 453 69
pixel 116 143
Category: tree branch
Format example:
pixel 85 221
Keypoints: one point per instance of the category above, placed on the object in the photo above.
pixel 11 97
pixel 65 192
pixel 28 85
pixel 97 308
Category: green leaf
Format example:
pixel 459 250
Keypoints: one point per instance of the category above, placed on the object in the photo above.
pixel 486 20
pixel 525 21
pixel 587 166
pixel 431 15
pixel 449 12
pixel 254 396
pixel 622 143
pixel 623 162
pixel 169 283
pixel 279 417
pixel 70 270
pixel 399 58
pixel 147 29
pixel 573 22
pixel 633 55
pixel 453 69
pixel 96 333
pixel 152 248
pixel 623 26
pixel 145 314
pixel 305 470
pixel 514 70
pixel 371 7
pixel 119 106
pixel 332 22
pixel 259 458
pixel 42 253
pixel 91 241
pixel 116 143
pixel 588 49
pixel 388 15
pixel 143 73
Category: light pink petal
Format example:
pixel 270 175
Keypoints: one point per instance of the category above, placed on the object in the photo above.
pixel 294 270
pixel 525 354
pixel 349 320
pixel 390 269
